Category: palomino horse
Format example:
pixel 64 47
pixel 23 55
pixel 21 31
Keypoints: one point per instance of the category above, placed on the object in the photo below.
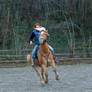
pixel 44 59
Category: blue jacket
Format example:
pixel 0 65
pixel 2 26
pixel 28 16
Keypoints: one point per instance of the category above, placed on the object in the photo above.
pixel 35 36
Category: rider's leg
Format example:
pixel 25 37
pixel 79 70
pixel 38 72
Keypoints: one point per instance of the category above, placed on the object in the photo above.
pixel 34 54
pixel 52 50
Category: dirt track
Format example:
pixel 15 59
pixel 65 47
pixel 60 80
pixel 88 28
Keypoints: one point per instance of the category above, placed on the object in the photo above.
pixel 76 78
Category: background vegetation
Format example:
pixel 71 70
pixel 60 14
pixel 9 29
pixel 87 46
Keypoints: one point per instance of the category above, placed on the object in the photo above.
pixel 69 23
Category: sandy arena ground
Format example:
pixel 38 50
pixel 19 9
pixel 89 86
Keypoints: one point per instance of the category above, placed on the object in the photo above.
pixel 73 78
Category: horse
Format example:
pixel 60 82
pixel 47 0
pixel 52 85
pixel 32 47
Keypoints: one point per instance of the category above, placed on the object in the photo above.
pixel 44 59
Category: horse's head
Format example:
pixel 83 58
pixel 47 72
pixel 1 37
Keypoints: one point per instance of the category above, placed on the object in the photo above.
pixel 43 36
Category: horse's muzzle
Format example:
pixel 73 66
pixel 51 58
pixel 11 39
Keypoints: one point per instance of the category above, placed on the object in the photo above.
pixel 41 40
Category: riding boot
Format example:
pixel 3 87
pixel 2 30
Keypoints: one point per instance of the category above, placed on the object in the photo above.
pixel 33 63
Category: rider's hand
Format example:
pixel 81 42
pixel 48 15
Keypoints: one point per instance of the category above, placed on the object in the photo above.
pixel 31 42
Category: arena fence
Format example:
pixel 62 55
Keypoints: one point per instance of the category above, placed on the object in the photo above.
pixel 20 55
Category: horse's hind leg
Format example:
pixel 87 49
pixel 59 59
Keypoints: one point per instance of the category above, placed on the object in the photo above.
pixel 44 73
pixel 54 70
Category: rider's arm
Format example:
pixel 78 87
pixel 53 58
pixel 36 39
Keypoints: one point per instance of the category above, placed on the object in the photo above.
pixel 31 37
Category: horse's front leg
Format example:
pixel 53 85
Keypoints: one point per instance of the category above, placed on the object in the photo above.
pixel 38 73
pixel 54 70
pixel 44 73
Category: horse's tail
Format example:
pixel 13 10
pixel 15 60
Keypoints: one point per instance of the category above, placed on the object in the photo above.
pixel 29 58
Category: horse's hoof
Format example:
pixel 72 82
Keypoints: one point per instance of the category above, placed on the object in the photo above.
pixel 46 81
pixel 42 82
pixel 57 77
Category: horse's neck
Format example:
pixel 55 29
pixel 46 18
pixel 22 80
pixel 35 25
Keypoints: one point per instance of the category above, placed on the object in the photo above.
pixel 44 48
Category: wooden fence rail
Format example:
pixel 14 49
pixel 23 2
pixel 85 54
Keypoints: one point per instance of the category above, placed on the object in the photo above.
pixel 20 55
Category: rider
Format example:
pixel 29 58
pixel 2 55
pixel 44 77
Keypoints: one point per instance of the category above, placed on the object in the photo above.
pixel 35 36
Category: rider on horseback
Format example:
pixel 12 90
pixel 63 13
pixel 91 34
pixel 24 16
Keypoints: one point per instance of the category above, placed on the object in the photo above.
pixel 35 36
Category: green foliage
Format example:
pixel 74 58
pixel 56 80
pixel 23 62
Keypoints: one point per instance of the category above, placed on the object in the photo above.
pixel 69 22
